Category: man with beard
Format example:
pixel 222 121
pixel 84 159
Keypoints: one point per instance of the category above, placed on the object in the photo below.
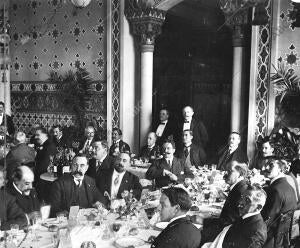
pixel 75 189
pixel 10 212
pixel 169 169
pixel 116 181
pixel 22 189
pixel 232 152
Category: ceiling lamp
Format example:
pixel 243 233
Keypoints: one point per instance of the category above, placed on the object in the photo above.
pixel 81 3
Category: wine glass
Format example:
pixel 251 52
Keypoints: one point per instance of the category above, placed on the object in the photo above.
pixel 206 195
pixel 36 221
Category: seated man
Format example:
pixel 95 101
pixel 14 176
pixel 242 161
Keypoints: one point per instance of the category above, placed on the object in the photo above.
pixel 280 197
pixel 251 230
pixel 232 152
pixel 20 154
pixel 75 189
pixel 101 160
pixel 150 151
pixel 191 154
pixel 115 181
pixel 264 155
pixel 21 188
pixel 236 178
pixel 169 169
pixel 10 212
pixel 118 143
pixel 180 232
pixel 86 144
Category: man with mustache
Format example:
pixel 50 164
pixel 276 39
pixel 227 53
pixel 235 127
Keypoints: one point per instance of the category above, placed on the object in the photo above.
pixel 21 188
pixel 117 180
pixel 75 189
pixel 169 169
pixel 232 152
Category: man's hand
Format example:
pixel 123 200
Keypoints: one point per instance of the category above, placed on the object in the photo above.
pixel 172 176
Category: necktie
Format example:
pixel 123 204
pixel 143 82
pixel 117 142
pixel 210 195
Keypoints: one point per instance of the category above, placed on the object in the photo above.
pixel 116 181
pixel 78 182
pixel 186 151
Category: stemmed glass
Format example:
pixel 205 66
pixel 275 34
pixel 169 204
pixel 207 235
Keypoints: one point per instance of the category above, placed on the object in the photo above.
pixel 36 222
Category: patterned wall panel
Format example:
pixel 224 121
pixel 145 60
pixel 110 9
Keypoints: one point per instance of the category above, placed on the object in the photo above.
pixel 263 77
pixel 54 35
pixel 116 23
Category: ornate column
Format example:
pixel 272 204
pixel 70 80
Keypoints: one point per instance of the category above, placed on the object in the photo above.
pixel 4 57
pixel 238 23
pixel 145 25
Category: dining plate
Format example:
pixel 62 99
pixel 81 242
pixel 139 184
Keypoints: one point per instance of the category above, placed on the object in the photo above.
pixel 161 225
pixel 125 242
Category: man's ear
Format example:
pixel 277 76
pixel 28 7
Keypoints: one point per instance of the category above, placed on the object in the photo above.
pixel 259 207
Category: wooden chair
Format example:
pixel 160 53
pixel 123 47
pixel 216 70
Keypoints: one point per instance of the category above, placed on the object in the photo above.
pixel 282 237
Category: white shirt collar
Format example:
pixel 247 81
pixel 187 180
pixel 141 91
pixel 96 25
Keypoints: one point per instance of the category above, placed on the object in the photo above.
pixel 232 149
pixel 17 189
pixel 150 147
pixel 238 180
pixel 118 173
pixel 275 178
pixel 76 180
pixel 178 217
pixel 250 214
pixel 169 159
pixel 117 141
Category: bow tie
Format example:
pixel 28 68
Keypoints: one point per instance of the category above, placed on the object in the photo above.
pixel 186 122
pixel 162 123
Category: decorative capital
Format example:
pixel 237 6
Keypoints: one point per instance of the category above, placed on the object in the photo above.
pixel 145 24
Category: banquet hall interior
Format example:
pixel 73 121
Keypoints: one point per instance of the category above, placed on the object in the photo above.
pixel 112 67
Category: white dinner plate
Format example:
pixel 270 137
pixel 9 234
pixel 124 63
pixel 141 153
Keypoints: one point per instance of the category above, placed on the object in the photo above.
pixel 124 242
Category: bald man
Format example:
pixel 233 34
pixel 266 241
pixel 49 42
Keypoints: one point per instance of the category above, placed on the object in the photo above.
pixel 21 188
pixel 20 154
pixel 151 150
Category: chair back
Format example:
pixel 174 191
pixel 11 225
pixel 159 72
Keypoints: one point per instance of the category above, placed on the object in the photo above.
pixel 282 238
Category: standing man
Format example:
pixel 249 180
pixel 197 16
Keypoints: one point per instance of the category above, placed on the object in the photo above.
pixel 165 129
pixel 191 154
pixel 59 139
pixel 21 188
pixel 9 122
pixel 169 169
pixel 180 232
pixel 117 180
pixel 118 145
pixel 232 152
pixel 100 161
pixel 197 126
pixel 75 189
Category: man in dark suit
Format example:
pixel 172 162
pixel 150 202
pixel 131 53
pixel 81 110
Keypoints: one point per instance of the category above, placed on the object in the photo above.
pixel 22 189
pixel 20 154
pixel 232 152
pixel 60 140
pixel 169 169
pixel 85 145
pixel 112 183
pixel 150 151
pixel 190 123
pixel 250 231
pixel 118 145
pixel 280 198
pixel 10 212
pixel 165 129
pixel 180 232
pixel 236 178
pixel 75 189
pixel 101 160
pixel 46 149
pixel 191 154
pixel 266 152
pixel 10 129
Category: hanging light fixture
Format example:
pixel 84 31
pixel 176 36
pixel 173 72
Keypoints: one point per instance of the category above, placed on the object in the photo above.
pixel 81 3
